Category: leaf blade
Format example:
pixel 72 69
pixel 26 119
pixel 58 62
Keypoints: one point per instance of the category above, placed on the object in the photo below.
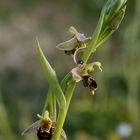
pixel 51 76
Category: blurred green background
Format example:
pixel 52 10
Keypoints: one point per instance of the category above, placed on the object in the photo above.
pixel 113 113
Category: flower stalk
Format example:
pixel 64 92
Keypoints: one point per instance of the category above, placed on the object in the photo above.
pixel 111 16
pixel 63 112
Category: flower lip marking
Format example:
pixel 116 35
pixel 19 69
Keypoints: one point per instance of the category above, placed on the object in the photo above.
pixel 89 82
pixel 43 135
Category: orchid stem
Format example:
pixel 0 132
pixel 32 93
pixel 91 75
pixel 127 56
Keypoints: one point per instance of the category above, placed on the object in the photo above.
pixel 63 112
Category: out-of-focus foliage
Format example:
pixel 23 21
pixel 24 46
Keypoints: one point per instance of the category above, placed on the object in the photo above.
pixel 23 85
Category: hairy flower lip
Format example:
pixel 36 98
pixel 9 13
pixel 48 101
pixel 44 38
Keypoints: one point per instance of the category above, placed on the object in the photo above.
pixel 88 81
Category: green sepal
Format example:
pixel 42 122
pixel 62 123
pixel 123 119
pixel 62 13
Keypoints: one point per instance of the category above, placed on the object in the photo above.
pixel 75 42
pixel 68 45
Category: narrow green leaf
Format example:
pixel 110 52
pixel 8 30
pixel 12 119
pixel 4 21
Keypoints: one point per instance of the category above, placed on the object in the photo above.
pixel 115 22
pixel 50 104
pixel 113 7
pixel 51 77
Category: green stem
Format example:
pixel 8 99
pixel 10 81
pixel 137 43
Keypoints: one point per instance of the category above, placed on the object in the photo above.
pixel 63 112
pixel 71 86
pixel 92 47
pixel 104 36
pixel 65 81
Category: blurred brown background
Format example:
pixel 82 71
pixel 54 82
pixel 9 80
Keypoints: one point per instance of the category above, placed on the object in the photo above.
pixel 113 113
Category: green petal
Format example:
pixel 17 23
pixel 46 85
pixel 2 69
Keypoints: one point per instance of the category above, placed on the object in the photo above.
pixel 87 40
pixel 91 65
pixel 98 64
pixel 72 30
pixel 88 68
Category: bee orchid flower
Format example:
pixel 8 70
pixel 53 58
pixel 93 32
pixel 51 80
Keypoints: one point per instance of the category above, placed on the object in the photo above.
pixel 77 42
pixel 82 73
pixel 44 128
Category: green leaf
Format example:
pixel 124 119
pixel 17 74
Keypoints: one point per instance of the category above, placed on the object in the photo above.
pixel 114 13
pixel 50 104
pixel 115 22
pixel 113 7
pixel 51 77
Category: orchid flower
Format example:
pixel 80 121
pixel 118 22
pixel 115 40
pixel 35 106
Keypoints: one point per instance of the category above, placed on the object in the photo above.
pixel 76 43
pixel 82 73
